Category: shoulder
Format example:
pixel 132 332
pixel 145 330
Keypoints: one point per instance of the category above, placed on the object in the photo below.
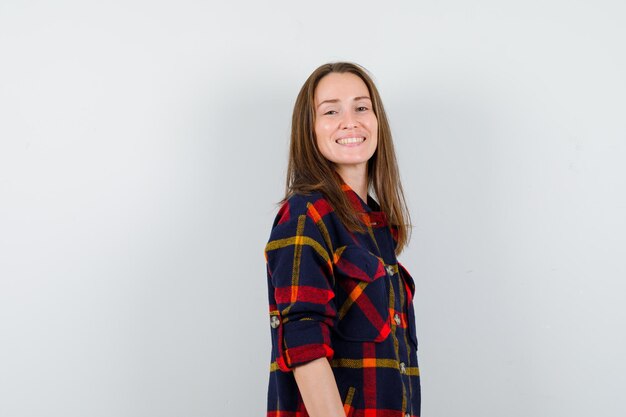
pixel 300 222
pixel 314 206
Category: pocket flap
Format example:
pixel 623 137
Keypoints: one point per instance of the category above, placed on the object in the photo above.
pixel 359 263
pixel 408 279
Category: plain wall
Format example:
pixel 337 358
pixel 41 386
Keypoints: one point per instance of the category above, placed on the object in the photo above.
pixel 143 145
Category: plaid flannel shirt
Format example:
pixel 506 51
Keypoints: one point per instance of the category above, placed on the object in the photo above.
pixel 341 295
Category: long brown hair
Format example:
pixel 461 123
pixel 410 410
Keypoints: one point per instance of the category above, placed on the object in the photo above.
pixel 308 170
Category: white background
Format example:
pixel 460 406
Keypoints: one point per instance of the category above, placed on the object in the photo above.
pixel 143 145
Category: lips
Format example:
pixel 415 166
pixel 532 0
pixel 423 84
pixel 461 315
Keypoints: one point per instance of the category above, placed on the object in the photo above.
pixel 350 140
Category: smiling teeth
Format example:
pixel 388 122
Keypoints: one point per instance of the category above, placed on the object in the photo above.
pixel 345 141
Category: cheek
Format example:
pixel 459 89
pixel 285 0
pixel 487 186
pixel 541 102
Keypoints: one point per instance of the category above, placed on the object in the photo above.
pixel 321 127
pixel 373 126
pixel 317 126
pixel 370 121
pixel 374 131
pixel 322 132
pixel 320 136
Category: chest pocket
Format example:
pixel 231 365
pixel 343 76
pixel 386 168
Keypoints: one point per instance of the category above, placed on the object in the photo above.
pixel 361 295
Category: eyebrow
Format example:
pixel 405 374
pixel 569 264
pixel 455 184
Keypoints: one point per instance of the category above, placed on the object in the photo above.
pixel 336 100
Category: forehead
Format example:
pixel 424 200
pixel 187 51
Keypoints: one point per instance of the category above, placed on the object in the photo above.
pixel 341 86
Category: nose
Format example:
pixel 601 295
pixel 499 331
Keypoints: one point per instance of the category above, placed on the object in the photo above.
pixel 348 121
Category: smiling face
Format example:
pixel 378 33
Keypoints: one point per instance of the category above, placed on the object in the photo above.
pixel 346 127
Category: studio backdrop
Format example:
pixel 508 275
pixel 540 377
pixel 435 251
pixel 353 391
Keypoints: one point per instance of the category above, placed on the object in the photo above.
pixel 143 149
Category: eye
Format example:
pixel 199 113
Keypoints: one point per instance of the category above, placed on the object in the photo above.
pixel 362 108
pixel 331 112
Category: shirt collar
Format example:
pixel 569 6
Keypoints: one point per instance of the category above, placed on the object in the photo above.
pixel 370 210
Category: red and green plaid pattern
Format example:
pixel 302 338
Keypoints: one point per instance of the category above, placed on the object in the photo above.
pixel 341 295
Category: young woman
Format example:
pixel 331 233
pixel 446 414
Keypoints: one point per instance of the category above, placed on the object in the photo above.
pixel 341 311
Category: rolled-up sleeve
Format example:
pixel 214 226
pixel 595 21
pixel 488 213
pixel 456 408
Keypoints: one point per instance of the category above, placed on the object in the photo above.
pixel 300 281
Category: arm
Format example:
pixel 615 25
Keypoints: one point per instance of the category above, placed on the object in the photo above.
pixel 301 281
pixel 318 388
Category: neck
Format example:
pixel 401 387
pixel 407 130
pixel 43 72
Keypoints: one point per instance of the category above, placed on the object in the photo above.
pixel 356 177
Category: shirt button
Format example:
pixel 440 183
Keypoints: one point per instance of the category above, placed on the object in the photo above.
pixel 389 269
pixel 402 368
pixel 396 318
pixel 274 322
